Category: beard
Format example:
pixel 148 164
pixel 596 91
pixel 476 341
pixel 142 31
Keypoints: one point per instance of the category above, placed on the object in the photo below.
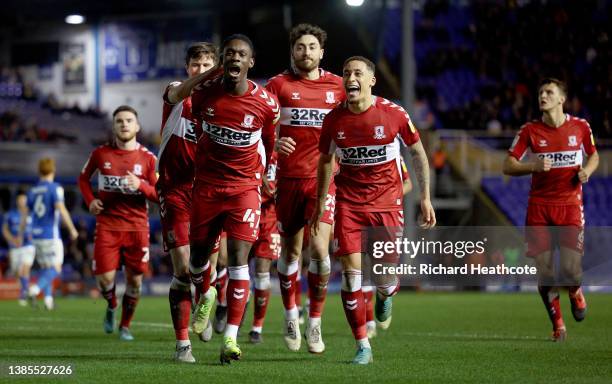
pixel 125 137
pixel 305 66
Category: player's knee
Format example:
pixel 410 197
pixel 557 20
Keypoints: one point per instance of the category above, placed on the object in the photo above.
pixel 287 268
pixel 388 289
pixel 181 282
pixel 320 266
pixel 262 281
pixel 262 265
pixel 319 250
pixel 213 276
pixel 351 280
pixel 133 289
pixel 571 273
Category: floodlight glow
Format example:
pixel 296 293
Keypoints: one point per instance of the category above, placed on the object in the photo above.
pixel 354 3
pixel 75 19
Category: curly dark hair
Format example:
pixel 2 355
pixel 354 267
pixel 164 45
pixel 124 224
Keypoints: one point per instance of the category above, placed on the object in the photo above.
pixel 307 29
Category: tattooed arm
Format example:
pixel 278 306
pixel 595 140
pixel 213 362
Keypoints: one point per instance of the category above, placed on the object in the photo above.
pixel 421 171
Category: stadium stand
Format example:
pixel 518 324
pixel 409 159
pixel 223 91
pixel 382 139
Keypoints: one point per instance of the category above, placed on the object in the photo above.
pixel 477 62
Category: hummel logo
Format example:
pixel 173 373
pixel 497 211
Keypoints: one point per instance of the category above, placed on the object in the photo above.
pixel 238 293
pixel 107 165
pixel 351 305
pixel 295 95
pixel 340 135
pixel 210 112
pixel 543 143
pixel 286 284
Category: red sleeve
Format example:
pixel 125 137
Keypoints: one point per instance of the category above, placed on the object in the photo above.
pixel 147 185
pixel 407 131
pixel 588 141
pixel 326 144
pixel 89 168
pixel 268 131
pixel 520 144
pixel 273 86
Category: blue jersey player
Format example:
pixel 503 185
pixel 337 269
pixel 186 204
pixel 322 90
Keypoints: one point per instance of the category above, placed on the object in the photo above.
pixel 21 250
pixel 46 204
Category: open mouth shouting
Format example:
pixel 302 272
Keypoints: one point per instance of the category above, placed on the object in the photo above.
pixel 353 90
pixel 233 70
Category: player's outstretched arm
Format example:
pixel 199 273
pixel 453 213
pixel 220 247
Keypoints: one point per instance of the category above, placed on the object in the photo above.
pixel 421 172
pixel 324 172
pixel 67 220
pixel 181 91
pixel 589 168
pixel 513 167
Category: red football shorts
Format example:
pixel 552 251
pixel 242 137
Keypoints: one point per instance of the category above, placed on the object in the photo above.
pixel 267 245
pixel 113 248
pixel 235 210
pixel 547 222
pixel 295 203
pixel 351 226
pixel 175 212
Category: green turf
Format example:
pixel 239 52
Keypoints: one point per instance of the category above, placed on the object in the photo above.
pixel 434 338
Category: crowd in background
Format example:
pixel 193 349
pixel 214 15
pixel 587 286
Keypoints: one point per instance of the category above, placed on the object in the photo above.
pixel 505 49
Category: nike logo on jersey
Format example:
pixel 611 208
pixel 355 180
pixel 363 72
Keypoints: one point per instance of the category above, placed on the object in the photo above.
pixel 563 159
pixel 231 137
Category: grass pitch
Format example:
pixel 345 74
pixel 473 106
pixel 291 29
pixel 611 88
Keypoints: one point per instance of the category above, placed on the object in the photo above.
pixel 434 338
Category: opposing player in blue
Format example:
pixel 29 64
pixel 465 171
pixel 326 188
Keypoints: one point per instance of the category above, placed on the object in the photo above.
pixel 21 250
pixel 46 204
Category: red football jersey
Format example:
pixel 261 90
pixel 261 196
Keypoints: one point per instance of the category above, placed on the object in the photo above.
pixel 304 104
pixel 179 134
pixel 238 135
pixel 271 172
pixel 124 209
pixel 564 146
pixel 368 148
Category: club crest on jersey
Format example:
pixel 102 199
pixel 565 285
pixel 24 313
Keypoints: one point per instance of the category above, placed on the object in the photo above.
pixel 138 169
pixel 330 98
pixel 572 142
pixel 210 112
pixel 543 143
pixel 248 121
pixel 295 95
pixel 379 132
pixel 107 165
pixel 340 135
